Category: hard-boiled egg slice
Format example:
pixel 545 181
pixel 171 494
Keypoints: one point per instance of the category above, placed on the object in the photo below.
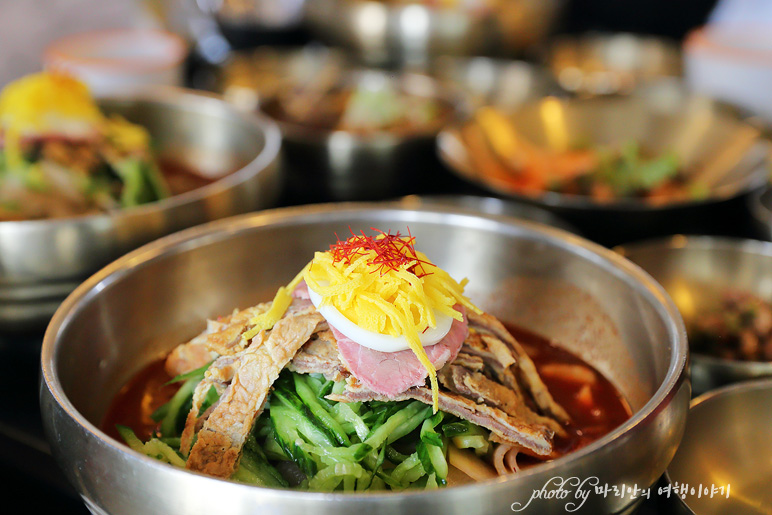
pixel 377 341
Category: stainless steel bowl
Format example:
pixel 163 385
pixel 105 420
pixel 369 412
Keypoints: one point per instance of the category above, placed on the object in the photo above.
pixel 591 300
pixel 717 145
pixel 413 33
pixel 248 77
pixel 695 271
pixel 337 165
pixel 42 261
pixel 759 204
pixel 503 82
pixel 612 63
pixel 490 206
pixel 726 446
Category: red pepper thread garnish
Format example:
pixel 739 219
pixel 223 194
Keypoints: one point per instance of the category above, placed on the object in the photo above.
pixel 392 251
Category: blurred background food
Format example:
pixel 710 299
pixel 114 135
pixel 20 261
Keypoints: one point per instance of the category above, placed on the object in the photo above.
pixel 62 156
pixel 612 63
pixel 723 289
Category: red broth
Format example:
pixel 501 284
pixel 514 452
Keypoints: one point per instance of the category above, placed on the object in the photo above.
pixel 595 410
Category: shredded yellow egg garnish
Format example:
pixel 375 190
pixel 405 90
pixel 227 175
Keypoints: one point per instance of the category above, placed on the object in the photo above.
pixel 55 103
pixel 40 103
pixel 125 135
pixel 381 284
pixel 281 302
pixel 396 291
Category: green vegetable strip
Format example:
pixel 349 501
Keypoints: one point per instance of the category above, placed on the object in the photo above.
pixel 395 456
pixel 154 448
pixel 130 438
pixel 255 469
pixel 400 471
pixel 193 374
pixel 183 395
pixel 432 454
pixel 339 446
pixel 382 433
pixel 461 428
pixel 157 449
pixel 409 425
pixel 332 426
pixel 471 442
pixel 288 437
pixel 344 412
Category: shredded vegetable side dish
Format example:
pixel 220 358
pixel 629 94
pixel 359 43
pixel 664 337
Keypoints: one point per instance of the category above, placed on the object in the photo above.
pixel 61 156
pixel 370 370
pixel 499 152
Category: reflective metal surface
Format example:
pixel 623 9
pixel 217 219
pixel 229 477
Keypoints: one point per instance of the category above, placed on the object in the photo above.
pixel 760 207
pixel 384 33
pixel 587 298
pixel 716 145
pixel 337 165
pixel 42 261
pixel 250 76
pixel 603 64
pixel 696 271
pixel 490 206
pixel 503 82
pixel 726 444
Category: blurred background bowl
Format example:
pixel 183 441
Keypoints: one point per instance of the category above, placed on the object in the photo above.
pixel 249 76
pixel 119 60
pixel 611 63
pixel 322 164
pixel 718 146
pixel 759 204
pixel 726 445
pixel 42 261
pixel 590 300
pixel 485 80
pixel 413 33
pixel 697 271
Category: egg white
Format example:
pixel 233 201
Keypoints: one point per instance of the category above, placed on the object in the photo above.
pixel 377 341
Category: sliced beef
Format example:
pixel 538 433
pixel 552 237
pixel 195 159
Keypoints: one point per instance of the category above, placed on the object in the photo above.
pixel 221 439
pixel 483 390
pixel 319 356
pixel 527 374
pixel 391 373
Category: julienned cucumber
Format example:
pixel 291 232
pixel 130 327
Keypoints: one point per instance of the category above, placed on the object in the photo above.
pixel 337 446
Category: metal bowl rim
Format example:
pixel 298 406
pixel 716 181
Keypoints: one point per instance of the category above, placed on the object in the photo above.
pixel 707 397
pixel 218 230
pixel 178 97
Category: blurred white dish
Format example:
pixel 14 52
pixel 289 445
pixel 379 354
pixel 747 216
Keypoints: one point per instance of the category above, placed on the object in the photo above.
pixel 113 61
pixel 732 63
